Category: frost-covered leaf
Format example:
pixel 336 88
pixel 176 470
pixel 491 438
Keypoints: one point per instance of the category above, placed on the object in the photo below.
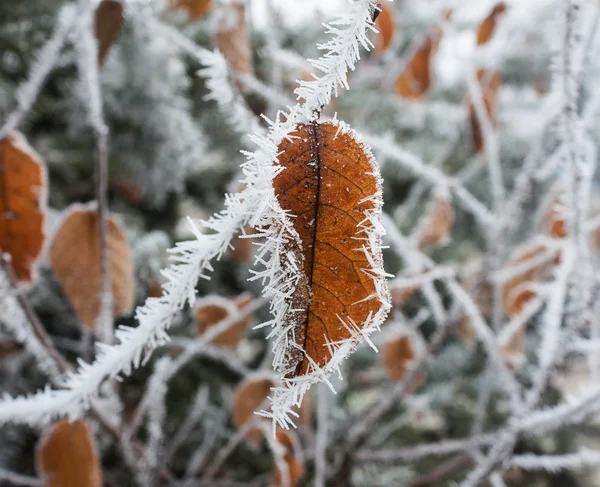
pixel 211 310
pixel 386 25
pixel 23 196
pixel 488 25
pixel 108 22
pixel 67 457
pixel 75 262
pixel 329 185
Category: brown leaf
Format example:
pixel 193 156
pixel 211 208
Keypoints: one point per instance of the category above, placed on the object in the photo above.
pixel 292 457
pixel 75 261
pixel 415 80
pixel 328 183
pixel 209 315
pixel 437 223
pixel 513 299
pixel 487 27
pixel 398 355
pixel 232 38
pixel 109 20
pixel 249 396
pixel 490 82
pixel 67 457
pixel 23 197
pixel 196 9
pixel 385 25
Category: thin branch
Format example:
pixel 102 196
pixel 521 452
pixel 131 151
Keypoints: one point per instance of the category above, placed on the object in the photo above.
pixel 45 61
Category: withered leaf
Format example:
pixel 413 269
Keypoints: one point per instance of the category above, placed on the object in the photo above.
pixel 487 27
pixel 514 296
pixel 232 38
pixel 415 80
pixel 292 458
pixel 66 456
pixel 249 396
pixel 437 223
pixel 398 356
pixel 109 20
pixel 196 9
pixel 385 25
pixel 208 315
pixel 490 82
pixel 23 197
pixel 75 262
pixel 329 186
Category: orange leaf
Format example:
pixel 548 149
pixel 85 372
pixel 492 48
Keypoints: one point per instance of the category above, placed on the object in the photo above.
pixel 109 20
pixel 75 261
pixel 66 456
pixel 385 25
pixel 487 27
pixel 210 314
pixel 437 223
pixel 490 82
pixel 328 183
pixel 398 355
pixel 196 9
pixel 414 82
pixel 291 457
pixel 248 398
pixel 232 38
pixel 514 299
pixel 23 197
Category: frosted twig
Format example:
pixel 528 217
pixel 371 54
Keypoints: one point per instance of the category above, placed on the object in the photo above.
pixel 194 415
pixel 87 61
pixel 433 176
pixel 556 463
pixel 18 479
pixel 417 452
pixel 44 63
pixel 490 140
pixel 321 437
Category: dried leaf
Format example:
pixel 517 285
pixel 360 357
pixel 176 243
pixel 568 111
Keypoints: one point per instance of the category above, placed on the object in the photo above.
pixel 292 457
pixel 196 9
pixel 232 38
pixel 23 197
pixel 487 27
pixel 385 25
pixel 75 261
pixel 415 80
pixel 208 315
pixel 437 223
pixel 328 183
pixel 490 82
pixel 67 457
pixel 398 355
pixel 109 20
pixel 537 271
pixel 249 396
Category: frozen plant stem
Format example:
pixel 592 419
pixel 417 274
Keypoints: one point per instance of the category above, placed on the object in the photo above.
pixel 88 72
pixel 45 61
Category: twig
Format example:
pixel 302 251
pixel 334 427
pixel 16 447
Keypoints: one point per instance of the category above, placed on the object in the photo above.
pixel 44 63
pixel 88 71
pixel 19 479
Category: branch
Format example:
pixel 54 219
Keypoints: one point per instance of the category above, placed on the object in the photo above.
pixel 44 63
